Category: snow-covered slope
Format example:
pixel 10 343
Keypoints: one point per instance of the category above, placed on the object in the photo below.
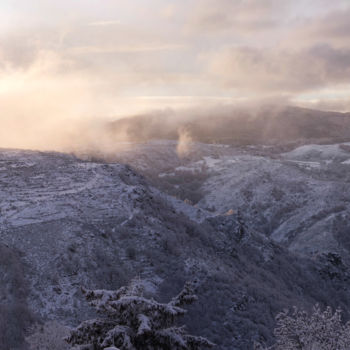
pixel 299 198
pixel 52 207
pixel 66 222
pixel 78 223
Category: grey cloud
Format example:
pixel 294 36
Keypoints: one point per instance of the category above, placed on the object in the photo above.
pixel 279 70
pixel 332 29
pixel 231 48
pixel 18 51
pixel 250 15
pixel 21 49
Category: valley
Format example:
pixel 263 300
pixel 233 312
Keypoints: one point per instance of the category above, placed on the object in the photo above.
pixel 257 226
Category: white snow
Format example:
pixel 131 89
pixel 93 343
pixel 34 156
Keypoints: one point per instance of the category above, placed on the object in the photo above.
pixel 324 152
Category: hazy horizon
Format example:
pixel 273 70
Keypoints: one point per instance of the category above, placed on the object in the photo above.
pixel 67 65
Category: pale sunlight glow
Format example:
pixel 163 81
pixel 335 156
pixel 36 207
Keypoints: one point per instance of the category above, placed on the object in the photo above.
pixel 70 60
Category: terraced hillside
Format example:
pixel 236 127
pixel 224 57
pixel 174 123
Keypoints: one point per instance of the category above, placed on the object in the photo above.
pixel 66 222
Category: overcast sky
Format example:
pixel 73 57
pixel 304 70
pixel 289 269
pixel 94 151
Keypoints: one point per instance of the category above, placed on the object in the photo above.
pixel 115 57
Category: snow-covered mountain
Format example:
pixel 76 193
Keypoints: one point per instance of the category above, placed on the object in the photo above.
pixel 261 230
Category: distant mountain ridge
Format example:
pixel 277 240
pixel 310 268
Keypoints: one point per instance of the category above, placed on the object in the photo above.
pixel 265 125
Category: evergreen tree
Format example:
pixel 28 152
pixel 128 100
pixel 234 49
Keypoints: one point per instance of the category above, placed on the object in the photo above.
pixel 131 321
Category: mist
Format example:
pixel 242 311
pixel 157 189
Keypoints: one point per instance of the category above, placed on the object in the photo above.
pixel 47 105
pixel 71 83
pixel 45 108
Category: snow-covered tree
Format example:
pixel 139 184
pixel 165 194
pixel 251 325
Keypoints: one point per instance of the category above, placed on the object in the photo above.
pixel 320 330
pixel 131 321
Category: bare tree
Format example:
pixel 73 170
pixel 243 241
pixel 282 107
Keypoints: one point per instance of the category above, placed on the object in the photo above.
pixel 320 330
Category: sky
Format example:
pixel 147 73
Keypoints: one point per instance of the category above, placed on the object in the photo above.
pixel 61 61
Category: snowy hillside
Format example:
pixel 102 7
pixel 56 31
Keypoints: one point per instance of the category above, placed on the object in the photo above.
pixel 299 198
pixel 67 223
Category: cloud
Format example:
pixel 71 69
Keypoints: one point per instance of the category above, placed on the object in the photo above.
pixel 68 66
pixel 213 16
pixel 44 108
pixel 331 29
pixel 17 51
pixel 287 71
pixel 104 23
pixel 83 50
